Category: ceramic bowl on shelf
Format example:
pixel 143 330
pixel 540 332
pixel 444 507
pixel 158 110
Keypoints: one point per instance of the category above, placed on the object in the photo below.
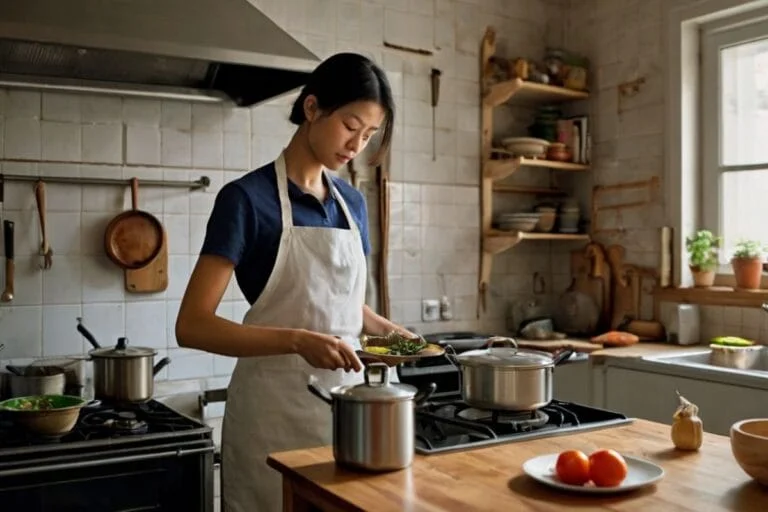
pixel 749 444
pixel 528 147
pixel 522 221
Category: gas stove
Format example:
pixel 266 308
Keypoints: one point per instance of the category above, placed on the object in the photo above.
pixel 117 458
pixel 102 424
pixel 451 425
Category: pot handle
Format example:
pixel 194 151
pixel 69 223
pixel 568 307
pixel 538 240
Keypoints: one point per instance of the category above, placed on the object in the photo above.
pixel 376 368
pixel 424 393
pixel 86 333
pixel 500 341
pixel 160 365
pixel 321 393
pixel 562 355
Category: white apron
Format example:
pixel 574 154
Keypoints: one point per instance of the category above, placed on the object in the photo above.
pixel 318 283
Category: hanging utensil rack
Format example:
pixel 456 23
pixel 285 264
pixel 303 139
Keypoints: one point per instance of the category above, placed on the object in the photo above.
pixel 199 183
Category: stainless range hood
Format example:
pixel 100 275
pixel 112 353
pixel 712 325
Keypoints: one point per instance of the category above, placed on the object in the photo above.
pixel 203 50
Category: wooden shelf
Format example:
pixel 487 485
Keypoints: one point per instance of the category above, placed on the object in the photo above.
pixel 521 189
pixel 715 296
pixel 521 91
pixel 496 241
pixel 498 169
pixel 497 164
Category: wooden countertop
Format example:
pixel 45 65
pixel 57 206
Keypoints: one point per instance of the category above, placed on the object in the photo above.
pixel 492 479
pixel 598 353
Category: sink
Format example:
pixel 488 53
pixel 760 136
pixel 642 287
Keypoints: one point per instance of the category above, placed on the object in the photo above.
pixel 701 358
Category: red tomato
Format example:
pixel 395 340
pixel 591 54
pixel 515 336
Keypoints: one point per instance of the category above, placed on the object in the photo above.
pixel 572 467
pixel 607 468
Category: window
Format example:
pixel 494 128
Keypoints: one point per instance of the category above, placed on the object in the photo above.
pixel 734 124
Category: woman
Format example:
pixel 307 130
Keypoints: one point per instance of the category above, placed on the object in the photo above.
pixel 297 240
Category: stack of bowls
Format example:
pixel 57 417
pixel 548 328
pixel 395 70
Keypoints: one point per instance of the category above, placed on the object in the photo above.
pixel 547 217
pixel 523 221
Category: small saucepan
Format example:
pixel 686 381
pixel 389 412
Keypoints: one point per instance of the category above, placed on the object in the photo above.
pixel 123 373
pixel 507 378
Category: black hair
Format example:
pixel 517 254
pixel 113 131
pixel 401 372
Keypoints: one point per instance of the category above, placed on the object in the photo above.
pixel 345 78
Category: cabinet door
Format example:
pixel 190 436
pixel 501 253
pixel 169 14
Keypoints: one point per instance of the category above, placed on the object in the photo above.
pixel 572 383
pixel 652 396
pixel 649 396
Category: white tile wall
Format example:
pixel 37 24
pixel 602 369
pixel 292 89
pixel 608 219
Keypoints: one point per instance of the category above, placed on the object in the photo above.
pixel 434 228
pixel 624 42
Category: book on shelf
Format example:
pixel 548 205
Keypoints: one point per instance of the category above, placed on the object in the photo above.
pixel 574 132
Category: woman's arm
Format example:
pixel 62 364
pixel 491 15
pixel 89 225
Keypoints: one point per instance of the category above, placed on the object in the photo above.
pixel 198 326
pixel 376 325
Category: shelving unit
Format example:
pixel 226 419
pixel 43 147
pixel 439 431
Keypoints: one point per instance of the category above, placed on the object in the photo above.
pixel 497 164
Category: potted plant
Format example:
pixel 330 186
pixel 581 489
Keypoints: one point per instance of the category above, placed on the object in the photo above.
pixel 747 263
pixel 703 248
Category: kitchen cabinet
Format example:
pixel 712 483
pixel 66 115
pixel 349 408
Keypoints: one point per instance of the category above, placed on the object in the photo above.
pixel 652 396
pixel 573 382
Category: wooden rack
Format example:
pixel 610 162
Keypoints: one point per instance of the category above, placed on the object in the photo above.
pixel 497 164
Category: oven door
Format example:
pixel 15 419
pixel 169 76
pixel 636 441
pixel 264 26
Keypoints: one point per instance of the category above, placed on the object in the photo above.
pixel 176 476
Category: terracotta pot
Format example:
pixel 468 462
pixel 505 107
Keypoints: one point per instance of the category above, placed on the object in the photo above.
pixel 747 272
pixel 702 278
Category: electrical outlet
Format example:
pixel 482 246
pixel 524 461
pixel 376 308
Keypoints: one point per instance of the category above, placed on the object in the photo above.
pixel 430 310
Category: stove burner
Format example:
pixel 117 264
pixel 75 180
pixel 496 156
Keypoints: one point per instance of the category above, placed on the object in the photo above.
pixel 121 422
pixel 521 420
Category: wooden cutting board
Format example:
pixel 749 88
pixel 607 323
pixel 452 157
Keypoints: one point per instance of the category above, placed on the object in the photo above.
pixel 154 277
pixel 599 273
pixel 622 291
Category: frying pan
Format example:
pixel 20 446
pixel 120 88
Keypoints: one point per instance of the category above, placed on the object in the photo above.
pixel 133 238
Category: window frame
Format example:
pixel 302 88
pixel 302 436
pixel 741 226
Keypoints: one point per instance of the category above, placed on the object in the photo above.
pixel 714 37
pixel 682 132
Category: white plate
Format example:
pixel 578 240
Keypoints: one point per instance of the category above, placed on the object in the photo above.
pixel 639 474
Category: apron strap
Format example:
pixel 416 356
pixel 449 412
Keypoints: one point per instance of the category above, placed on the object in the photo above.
pixel 282 192
pixel 285 202
pixel 332 190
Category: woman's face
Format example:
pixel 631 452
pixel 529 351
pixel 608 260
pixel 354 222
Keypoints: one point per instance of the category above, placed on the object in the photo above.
pixel 338 137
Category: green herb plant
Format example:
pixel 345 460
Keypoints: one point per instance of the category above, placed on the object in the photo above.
pixel 703 248
pixel 748 250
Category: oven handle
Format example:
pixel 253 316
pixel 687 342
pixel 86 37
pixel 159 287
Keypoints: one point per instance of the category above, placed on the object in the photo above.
pixel 103 462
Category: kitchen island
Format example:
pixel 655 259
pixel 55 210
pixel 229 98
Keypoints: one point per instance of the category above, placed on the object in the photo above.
pixel 492 478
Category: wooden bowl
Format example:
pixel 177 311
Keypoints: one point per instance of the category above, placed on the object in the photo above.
pixel 749 443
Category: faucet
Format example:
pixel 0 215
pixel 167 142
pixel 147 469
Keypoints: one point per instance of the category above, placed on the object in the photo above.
pixel 765 307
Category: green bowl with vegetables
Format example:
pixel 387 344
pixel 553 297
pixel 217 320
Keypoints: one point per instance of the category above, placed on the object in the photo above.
pixel 44 414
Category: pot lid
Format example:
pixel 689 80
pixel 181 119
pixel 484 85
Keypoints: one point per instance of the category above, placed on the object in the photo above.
pixel 505 356
pixel 375 388
pixel 123 350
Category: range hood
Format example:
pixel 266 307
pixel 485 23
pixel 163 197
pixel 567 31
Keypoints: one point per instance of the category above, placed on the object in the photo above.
pixel 203 50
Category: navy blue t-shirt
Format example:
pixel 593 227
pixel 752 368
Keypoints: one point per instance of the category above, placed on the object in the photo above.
pixel 245 223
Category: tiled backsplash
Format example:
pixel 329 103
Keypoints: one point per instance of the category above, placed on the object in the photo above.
pixel 434 227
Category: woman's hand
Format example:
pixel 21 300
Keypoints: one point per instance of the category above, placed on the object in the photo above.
pixel 326 352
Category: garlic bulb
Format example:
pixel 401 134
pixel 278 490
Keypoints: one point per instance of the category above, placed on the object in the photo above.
pixel 687 427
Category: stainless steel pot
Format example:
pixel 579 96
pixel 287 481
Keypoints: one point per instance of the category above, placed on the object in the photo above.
pixel 122 374
pixel 125 374
pixel 373 422
pixel 31 381
pixel 507 378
